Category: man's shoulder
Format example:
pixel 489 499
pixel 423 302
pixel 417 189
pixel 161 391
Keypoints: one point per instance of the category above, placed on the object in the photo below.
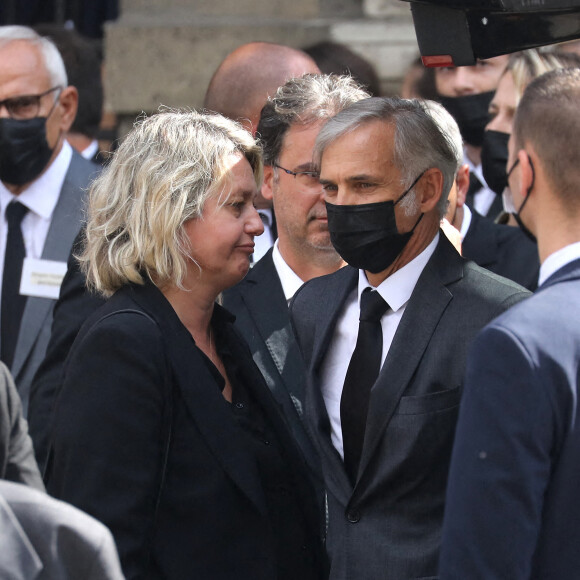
pixel 64 538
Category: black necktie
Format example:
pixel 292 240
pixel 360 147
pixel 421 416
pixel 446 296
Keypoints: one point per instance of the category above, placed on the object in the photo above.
pixel 12 302
pixel 361 375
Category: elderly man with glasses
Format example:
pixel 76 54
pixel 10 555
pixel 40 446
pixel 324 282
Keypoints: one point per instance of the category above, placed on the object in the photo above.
pixel 41 195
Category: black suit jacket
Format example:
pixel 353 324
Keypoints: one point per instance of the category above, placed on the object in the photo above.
pixel 388 525
pixel 262 317
pixel 502 249
pixel 74 306
pixel 144 441
pixel 513 511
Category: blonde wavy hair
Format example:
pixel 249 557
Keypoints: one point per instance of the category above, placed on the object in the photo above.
pixel 527 65
pixel 159 178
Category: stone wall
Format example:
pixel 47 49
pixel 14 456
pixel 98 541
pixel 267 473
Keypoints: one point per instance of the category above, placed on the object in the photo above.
pixel 165 51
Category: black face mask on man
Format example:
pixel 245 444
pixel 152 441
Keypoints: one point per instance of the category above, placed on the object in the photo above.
pixel 494 157
pixel 24 150
pixel 517 214
pixel 471 114
pixel 366 236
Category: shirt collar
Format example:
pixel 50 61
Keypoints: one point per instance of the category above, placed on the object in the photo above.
pixel 291 282
pixel 41 196
pixel 558 260
pixel 398 287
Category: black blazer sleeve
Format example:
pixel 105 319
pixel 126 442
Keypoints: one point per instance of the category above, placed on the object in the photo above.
pixel 74 306
pixel 110 430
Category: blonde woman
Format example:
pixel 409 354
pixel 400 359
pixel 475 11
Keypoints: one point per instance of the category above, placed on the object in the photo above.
pixel 164 428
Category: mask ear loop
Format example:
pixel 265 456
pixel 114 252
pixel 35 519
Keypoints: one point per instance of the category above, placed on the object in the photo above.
pixel 410 187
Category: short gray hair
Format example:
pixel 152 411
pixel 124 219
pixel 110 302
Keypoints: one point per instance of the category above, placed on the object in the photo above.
pixel 161 175
pixel 419 143
pixel 304 100
pixel 52 59
pixel 449 129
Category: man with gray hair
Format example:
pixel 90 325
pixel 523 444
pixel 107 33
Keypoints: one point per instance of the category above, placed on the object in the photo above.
pixel 288 127
pixel 383 394
pixel 41 195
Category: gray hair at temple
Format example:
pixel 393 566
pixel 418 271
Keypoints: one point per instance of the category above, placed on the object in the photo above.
pixel 304 100
pixel 50 54
pixel 419 143
pixel 448 127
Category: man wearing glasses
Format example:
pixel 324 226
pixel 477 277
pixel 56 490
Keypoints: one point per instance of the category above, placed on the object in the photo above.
pixel 41 185
pixel 288 127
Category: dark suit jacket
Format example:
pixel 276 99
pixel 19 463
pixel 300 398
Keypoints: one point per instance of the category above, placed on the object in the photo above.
pixel 138 397
pixel 512 503
pixel 74 306
pixel 262 317
pixel 45 539
pixel 37 317
pixel 502 249
pixel 389 525
pixel 17 461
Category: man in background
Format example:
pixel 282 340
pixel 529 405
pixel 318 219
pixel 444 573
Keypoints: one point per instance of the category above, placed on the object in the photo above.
pixel 42 185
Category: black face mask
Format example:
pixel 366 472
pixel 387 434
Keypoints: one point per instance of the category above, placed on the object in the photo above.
pixel 494 157
pixel 24 150
pixel 471 114
pixel 517 215
pixel 366 236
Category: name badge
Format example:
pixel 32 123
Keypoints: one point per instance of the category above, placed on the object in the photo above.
pixel 42 278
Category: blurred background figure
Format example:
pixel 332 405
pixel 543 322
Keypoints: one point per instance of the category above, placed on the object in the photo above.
pixel 466 92
pixel 338 59
pixel 164 428
pixel 82 60
pixel 522 68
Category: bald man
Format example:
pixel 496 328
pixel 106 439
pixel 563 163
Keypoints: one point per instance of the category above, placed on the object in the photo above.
pixel 250 74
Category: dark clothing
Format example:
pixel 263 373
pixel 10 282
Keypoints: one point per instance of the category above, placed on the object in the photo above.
pixel 388 524
pixel 502 249
pixel 144 441
pixel 512 502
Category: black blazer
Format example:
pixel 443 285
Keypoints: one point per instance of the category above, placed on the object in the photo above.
pixel 144 441
pixel 388 524
pixel 502 249
pixel 262 317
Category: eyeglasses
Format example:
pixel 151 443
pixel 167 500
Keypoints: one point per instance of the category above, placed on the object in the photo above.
pixel 309 179
pixel 25 106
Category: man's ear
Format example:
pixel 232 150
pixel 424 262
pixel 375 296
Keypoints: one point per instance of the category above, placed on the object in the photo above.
pixel 68 105
pixel 462 180
pixel 268 183
pixel 526 173
pixel 429 189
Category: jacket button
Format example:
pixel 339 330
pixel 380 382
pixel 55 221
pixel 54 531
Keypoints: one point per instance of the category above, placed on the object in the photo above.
pixel 352 516
pixel 239 405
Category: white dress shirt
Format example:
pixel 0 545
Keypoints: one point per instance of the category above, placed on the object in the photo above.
pixel 558 260
pixel 396 290
pixel 40 198
pixel 291 282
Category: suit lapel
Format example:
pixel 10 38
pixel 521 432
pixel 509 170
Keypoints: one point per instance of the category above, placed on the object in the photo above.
pixel 207 407
pixel 64 226
pixel 422 314
pixel 20 559
pixel 263 296
pixel 339 286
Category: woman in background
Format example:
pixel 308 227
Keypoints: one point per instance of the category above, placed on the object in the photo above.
pixel 164 428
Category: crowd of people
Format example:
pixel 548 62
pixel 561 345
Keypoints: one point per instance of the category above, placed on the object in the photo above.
pixel 306 332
